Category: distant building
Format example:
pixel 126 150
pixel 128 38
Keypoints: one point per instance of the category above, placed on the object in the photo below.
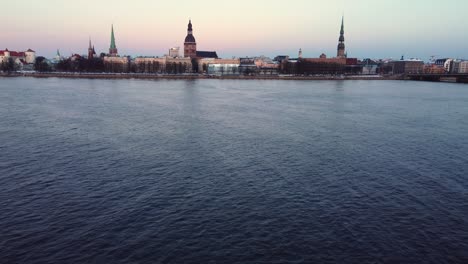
pixel 174 52
pixel 463 67
pixel 206 54
pixel 116 64
pixel 369 67
pixel 247 66
pixel 404 66
pixel 20 58
pixel 433 69
pixel 281 58
pixel 440 62
pixel 204 64
pixel 163 65
pixel 223 69
pixel 190 44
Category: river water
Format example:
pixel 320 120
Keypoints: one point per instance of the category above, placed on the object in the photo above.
pixel 232 171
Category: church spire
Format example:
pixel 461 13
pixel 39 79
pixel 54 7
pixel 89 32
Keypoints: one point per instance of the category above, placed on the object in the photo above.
pixel 190 44
pixel 113 47
pixel 90 50
pixel 341 46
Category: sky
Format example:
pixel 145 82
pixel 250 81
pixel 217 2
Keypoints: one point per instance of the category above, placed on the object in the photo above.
pixel 373 28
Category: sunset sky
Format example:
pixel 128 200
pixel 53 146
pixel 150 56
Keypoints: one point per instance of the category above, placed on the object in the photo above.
pixel 374 28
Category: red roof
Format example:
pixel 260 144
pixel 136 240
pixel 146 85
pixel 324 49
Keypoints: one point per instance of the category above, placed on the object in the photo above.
pixel 13 53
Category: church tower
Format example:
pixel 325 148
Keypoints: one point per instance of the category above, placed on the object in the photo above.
pixel 341 45
pixel 190 45
pixel 113 49
pixel 91 51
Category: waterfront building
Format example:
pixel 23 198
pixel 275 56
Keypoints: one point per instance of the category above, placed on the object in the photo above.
pixel 116 64
pixel 20 57
pixel 433 69
pixel 404 66
pixel 247 66
pixel 162 65
pixel 204 64
pixel 369 67
pixel 223 69
pixel 463 67
pixel 113 52
pixel 341 46
pixel 440 62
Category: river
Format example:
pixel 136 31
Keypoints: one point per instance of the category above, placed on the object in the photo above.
pixel 233 171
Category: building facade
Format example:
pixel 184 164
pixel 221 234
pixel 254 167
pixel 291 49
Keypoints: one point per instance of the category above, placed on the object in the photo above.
pixel 463 67
pixel 163 65
pixel 174 52
pixel 204 63
pixel 21 57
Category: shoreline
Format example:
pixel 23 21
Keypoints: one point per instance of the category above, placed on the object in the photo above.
pixel 194 77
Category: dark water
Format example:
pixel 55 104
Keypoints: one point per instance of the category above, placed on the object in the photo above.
pixel 128 171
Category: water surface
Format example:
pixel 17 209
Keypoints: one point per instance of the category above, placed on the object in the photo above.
pixel 227 171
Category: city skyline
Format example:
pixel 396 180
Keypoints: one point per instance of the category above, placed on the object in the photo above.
pixel 377 30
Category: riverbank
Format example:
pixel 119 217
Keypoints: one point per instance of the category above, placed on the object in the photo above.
pixel 192 76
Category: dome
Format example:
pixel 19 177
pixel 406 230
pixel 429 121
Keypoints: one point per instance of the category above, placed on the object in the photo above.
pixel 190 39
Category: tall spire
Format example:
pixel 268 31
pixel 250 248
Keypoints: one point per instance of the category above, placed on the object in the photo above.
pixel 190 44
pixel 113 48
pixel 341 46
pixel 112 45
pixel 90 50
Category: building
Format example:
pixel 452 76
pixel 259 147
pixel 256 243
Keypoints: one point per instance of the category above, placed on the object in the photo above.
pixel 174 52
pixel 463 67
pixel 404 66
pixel 223 69
pixel 113 52
pixel 205 63
pixel 247 66
pixel 207 54
pixel 369 67
pixel 341 46
pixel 190 44
pixel 163 65
pixel 20 58
pixel 91 51
pixel 116 64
